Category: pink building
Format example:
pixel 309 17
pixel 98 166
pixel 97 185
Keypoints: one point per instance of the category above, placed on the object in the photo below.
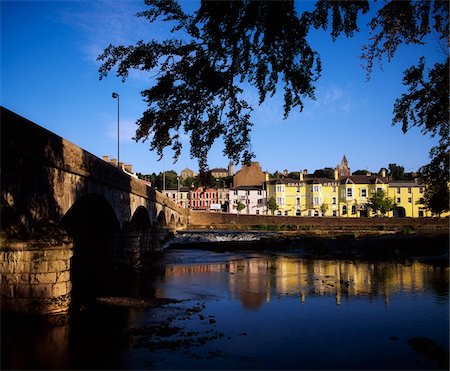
pixel 202 198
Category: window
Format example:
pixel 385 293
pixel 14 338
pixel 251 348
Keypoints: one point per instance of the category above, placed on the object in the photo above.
pixel 298 189
pixel 298 213
pixel 410 200
pixel 344 210
pixel 279 212
pixel 260 201
pixel 353 209
pixel 409 190
pixel 334 201
pixel 235 193
pixel 309 212
pixel 334 213
pixel 316 213
pixel 248 193
pixel 298 201
pixel 334 189
pixel 316 188
pixel 398 200
pixel 363 192
pixel 317 201
pixel 349 192
pixel 259 193
pixel 398 189
pixel 286 212
pixel 420 213
pixel 206 195
pixel 421 190
pixel 257 212
pixel 421 200
pixel 280 188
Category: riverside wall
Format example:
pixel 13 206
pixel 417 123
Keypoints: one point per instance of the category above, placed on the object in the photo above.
pixel 33 279
pixel 217 220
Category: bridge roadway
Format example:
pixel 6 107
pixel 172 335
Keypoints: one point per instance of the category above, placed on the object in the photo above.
pixel 63 208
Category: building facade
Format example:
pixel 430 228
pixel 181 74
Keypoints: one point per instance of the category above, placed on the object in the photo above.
pixel 252 197
pixel 203 198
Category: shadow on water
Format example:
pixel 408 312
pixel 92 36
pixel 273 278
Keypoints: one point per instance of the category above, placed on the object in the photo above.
pixel 246 310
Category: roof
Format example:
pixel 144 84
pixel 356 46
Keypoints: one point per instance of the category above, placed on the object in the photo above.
pixel 285 181
pixel 302 182
pixel 247 188
pixel 219 170
pixel 404 183
pixel 363 179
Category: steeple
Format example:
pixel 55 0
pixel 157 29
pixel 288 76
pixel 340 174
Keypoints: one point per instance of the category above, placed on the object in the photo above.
pixel 343 169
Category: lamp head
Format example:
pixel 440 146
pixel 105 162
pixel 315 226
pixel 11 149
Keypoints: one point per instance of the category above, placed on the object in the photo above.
pixel 115 95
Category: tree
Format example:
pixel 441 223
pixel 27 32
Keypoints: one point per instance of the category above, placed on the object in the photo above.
pixel 326 172
pixel 226 44
pixel 436 176
pixel 396 172
pixel 189 181
pixel 214 51
pixel 272 205
pixel 381 202
pixel 240 206
pixel 426 103
pixel 360 172
pixel 323 208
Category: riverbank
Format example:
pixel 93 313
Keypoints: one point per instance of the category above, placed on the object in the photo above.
pixel 321 244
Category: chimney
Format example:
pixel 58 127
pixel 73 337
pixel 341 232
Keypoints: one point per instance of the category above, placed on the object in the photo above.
pixel 113 161
pixel 305 172
pixel 120 165
pixel 336 174
pixel 106 158
pixel 129 168
pixel 383 173
pixel 301 176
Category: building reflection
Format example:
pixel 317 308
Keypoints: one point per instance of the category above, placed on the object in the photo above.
pixel 257 280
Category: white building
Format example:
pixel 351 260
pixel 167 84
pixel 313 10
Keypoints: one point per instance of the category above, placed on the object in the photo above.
pixel 253 197
pixel 181 197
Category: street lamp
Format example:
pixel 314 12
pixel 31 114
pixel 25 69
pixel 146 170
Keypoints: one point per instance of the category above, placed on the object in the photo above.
pixel 115 95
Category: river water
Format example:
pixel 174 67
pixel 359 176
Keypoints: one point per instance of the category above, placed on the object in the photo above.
pixel 247 310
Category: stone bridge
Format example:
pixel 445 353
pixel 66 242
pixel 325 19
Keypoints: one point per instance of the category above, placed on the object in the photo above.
pixel 65 211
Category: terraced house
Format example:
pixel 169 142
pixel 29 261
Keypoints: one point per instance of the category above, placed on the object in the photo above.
pixel 346 195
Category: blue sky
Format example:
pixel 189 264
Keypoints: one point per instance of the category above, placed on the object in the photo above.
pixel 49 74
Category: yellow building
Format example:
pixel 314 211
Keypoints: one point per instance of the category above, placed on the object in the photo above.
pixel 355 192
pixel 346 195
pixel 408 198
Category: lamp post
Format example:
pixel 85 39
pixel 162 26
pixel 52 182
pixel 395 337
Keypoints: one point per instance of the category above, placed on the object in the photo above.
pixel 115 95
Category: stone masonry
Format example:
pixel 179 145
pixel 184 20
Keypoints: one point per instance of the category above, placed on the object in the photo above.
pixel 35 280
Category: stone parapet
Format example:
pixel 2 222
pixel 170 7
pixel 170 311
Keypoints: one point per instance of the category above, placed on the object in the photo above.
pixel 204 219
pixel 35 278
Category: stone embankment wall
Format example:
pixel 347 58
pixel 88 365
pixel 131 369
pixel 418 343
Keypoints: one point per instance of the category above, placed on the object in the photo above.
pixel 34 280
pixel 204 219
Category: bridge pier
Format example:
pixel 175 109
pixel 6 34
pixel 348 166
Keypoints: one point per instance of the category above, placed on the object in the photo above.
pixel 136 247
pixel 35 277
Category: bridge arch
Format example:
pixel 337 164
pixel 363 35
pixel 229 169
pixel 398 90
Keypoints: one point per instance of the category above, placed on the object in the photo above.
pixel 172 220
pixel 161 220
pixel 141 219
pixel 92 223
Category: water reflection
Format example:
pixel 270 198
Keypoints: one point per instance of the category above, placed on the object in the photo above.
pixel 254 280
pixel 272 311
